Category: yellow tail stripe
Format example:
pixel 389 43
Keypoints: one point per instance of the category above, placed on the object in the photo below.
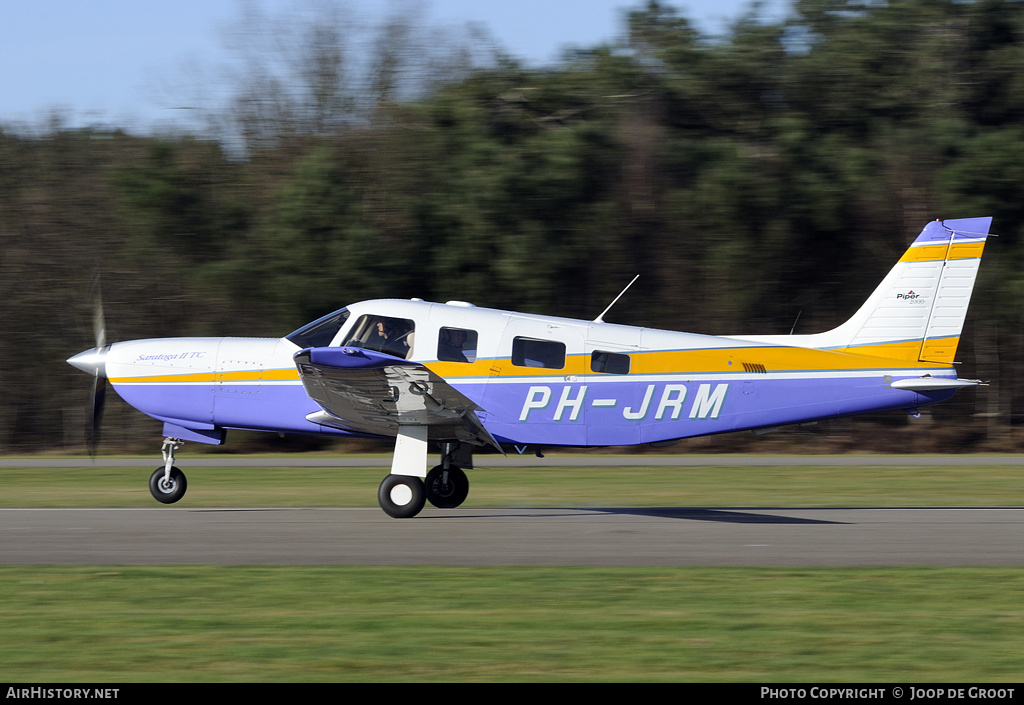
pixel 934 253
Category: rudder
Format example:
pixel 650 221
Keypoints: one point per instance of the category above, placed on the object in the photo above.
pixel 964 247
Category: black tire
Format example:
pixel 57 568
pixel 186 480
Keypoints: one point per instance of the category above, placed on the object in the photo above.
pixel 172 491
pixel 401 496
pixel 447 490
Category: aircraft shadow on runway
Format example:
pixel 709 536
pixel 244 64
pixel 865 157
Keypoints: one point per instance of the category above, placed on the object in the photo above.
pixel 730 516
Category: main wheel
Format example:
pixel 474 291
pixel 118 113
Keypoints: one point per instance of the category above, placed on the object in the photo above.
pixel 447 489
pixel 401 496
pixel 170 491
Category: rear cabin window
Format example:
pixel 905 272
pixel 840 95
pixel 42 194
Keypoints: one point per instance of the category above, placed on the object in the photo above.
pixel 456 345
pixel 393 336
pixel 609 363
pixel 531 352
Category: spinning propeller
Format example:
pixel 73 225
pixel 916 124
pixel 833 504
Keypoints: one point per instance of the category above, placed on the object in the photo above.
pixel 94 362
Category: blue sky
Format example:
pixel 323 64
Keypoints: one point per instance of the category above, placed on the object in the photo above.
pixel 111 61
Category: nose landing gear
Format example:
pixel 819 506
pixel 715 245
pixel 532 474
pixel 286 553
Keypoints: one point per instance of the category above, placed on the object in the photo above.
pixel 167 484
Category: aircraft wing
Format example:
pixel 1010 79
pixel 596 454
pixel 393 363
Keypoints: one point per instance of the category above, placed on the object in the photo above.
pixel 372 392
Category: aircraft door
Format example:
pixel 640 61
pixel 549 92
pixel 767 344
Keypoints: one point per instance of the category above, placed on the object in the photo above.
pixel 537 386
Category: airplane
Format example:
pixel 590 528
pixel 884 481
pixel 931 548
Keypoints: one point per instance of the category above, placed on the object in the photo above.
pixel 467 377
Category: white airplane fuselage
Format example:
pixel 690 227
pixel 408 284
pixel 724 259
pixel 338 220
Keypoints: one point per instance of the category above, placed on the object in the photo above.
pixel 677 385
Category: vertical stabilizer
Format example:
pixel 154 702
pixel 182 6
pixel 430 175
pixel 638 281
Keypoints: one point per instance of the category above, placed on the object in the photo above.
pixel 918 311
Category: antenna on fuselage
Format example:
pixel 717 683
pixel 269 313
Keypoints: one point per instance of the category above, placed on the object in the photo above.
pixel 600 319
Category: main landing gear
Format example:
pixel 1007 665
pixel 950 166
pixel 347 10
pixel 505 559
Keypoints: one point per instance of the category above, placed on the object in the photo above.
pixel 402 494
pixel 446 486
pixel 167 484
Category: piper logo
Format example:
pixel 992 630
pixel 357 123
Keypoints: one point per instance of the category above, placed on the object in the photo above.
pixel 912 298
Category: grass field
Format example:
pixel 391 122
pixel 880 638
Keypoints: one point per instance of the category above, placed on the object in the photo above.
pixel 456 624
pixel 704 486
pixel 357 623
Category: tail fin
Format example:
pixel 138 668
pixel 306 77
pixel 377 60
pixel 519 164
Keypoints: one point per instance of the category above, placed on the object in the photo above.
pixel 918 311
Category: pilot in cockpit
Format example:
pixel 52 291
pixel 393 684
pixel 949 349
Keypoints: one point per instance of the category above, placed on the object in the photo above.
pixel 392 337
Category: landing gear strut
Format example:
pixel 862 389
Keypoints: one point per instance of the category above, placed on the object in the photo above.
pixel 404 492
pixel 167 484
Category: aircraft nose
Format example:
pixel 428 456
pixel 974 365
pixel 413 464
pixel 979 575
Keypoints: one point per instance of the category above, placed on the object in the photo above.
pixel 93 361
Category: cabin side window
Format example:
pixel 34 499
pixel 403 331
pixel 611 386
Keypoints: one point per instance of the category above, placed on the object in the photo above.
pixel 393 336
pixel 456 345
pixel 609 363
pixel 532 352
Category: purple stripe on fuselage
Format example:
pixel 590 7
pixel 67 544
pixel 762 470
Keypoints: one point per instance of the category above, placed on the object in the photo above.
pixel 273 407
pixel 580 413
pixel 624 413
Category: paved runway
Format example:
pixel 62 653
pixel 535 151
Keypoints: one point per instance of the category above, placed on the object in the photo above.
pixel 466 536
pixel 300 460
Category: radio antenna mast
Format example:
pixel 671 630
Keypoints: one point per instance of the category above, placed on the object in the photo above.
pixel 600 319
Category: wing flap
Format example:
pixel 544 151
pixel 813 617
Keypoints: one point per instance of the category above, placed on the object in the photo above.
pixel 371 392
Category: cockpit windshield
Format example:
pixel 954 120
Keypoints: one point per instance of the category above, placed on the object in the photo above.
pixel 320 332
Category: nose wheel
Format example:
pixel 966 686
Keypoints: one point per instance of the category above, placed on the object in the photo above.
pixel 165 488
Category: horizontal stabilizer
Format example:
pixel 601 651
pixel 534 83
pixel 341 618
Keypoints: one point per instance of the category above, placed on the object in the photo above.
pixel 931 384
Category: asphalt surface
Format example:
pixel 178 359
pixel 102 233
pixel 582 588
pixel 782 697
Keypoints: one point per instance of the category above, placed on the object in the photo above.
pixel 596 536
pixel 526 460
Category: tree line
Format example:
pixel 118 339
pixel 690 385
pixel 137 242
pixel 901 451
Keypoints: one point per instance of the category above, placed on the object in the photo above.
pixel 760 181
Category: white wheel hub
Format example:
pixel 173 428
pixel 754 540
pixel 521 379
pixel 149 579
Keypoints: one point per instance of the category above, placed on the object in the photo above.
pixel 401 495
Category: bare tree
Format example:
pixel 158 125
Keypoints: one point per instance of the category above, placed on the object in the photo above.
pixel 322 67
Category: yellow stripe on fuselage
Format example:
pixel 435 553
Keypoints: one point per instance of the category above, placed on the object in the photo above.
pixel 704 361
pixel 710 361
pixel 285 375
